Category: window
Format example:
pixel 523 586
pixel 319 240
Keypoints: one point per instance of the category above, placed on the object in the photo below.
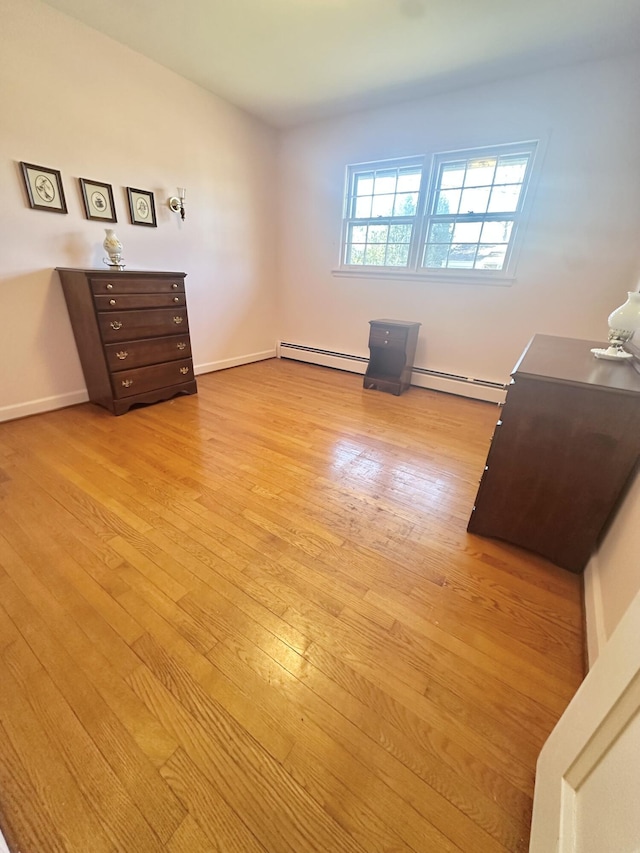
pixel 383 206
pixel 464 218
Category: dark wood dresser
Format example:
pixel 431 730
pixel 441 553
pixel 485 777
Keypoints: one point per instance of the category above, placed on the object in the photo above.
pixel 132 334
pixel 392 347
pixel 563 451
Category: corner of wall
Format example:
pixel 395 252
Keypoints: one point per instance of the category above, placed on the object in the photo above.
pixel 594 611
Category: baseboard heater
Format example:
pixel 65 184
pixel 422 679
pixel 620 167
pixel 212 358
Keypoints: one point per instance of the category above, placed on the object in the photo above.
pixel 437 380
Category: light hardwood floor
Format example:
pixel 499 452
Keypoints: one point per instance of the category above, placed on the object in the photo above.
pixel 252 620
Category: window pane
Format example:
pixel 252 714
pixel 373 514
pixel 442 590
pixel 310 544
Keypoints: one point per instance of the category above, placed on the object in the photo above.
pixel 356 254
pixel 406 204
pixel 505 198
pixel 448 201
pixel 436 255
pixel 462 255
pixel 480 172
pixel 467 232
pixel 511 169
pixel 375 255
pixel 364 184
pixel 497 232
pixel 358 234
pixel 378 234
pixel 385 181
pixel 400 233
pixel 474 200
pixel 382 205
pixel 363 207
pixel 409 180
pixel 452 175
pixel 490 257
pixel 397 255
pixel 441 232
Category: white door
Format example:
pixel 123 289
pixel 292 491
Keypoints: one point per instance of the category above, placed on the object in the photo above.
pixel 587 795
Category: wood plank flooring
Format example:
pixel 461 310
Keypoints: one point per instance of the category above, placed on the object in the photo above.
pixel 252 620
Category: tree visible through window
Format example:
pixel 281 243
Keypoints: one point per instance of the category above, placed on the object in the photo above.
pixel 465 218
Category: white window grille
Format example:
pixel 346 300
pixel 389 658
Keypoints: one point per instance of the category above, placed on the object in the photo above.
pixel 464 216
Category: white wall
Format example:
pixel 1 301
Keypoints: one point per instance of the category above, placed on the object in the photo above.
pixel 612 578
pixel 580 251
pixel 76 101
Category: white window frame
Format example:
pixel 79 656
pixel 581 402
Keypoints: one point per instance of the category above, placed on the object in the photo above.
pixel 424 216
pixel 416 219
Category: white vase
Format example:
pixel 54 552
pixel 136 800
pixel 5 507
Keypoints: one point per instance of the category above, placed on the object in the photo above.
pixel 625 320
pixel 113 247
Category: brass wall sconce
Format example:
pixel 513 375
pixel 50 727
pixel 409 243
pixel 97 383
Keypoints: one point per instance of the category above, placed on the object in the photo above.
pixel 176 203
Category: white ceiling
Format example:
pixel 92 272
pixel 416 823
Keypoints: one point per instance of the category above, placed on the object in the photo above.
pixel 293 60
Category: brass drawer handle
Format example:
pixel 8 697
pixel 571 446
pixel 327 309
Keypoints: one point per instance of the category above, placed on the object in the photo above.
pixel 184 370
pixel 177 320
pixel 122 354
pixel 181 345
pixel 112 302
pixel 109 287
pixel 127 383
pixel 174 286
pixel 176 299
pixel 115 325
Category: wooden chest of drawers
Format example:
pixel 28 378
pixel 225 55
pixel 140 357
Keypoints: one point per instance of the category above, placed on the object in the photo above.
pixel 392 347
pixel 132 334
pixel 565 448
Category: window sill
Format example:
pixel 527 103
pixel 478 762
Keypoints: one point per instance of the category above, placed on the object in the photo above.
pixel 473 277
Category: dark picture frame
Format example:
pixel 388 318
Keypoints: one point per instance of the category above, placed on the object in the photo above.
pixel 142 208
pixel 44 188
pixel 98 200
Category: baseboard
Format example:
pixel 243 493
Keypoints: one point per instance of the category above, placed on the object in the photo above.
pixel 462 386
pixel 61 401
pixel 594 613
pixel 44 404
pixel 210 366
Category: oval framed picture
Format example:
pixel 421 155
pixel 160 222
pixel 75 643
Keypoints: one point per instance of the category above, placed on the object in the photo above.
pixel 142 209
pixel 98 200
pixel 44 188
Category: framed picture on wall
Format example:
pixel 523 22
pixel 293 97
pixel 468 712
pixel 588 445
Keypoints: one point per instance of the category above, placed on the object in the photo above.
pixel 44 188
pixel 98 200
pixel 142 208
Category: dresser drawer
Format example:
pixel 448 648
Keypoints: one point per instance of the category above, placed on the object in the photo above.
pixel 128 325
pixel 136 284
pixel 128 383
pixel 149 351
pixel 387 336
pixel 126 301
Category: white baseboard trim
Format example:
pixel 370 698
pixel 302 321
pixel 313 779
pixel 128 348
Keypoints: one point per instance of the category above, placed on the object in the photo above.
pixel 61 401
pixel 594 612
pixel 210 366
pixel 450 384
pixel 44 404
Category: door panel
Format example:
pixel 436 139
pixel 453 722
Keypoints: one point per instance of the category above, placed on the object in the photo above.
pixel 588 777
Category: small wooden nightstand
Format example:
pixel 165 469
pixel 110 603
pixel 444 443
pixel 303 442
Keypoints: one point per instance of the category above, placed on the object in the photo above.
pixel 392 347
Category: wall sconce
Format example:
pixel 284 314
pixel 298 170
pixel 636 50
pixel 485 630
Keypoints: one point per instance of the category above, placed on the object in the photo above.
pixel 176 203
